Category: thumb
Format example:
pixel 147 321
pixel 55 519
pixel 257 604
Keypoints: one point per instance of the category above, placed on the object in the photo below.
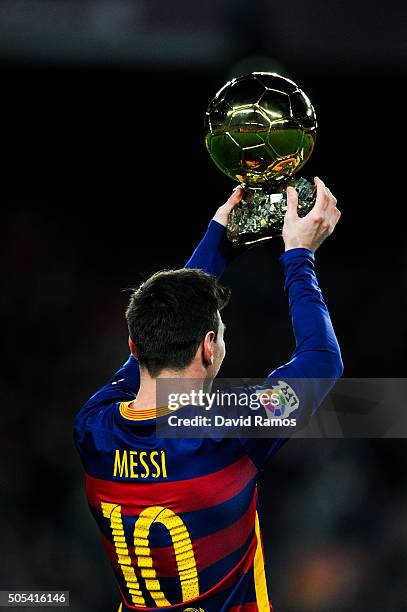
pixel 234 198
pixel 292 202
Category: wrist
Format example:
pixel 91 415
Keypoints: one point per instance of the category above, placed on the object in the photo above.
pixel 220 218
pixel 298 245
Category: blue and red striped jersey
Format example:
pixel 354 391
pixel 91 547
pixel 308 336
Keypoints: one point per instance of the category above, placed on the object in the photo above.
pixel 179 517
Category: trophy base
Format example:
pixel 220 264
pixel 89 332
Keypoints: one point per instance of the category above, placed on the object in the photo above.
pixel 260 214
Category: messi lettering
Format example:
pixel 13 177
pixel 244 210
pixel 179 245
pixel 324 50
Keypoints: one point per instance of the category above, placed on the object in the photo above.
pixel 139 464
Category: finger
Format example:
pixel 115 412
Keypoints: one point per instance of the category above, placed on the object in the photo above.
pixel 292 203
pixel 322 196
pixel 337 214
pixel 332 200
pixel 334 218
pixel 333 213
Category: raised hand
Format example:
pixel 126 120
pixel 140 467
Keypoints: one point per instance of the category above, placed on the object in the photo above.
pixel 222 214
pixel 310 231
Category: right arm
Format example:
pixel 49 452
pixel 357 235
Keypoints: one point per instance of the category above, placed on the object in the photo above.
pixel 215 251
pixel 211 255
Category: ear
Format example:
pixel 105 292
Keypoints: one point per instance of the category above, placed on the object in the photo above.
pixel 207 348
pixel 132 348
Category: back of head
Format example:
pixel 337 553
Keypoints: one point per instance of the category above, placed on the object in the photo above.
pixel 169 315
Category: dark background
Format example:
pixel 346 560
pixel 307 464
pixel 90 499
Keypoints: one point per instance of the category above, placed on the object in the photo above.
pixel 105 179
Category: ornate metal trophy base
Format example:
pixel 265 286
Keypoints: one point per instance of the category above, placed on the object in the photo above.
pixel 260 214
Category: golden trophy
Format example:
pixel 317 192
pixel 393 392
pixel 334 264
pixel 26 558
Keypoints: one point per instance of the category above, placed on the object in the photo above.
pixel 260 130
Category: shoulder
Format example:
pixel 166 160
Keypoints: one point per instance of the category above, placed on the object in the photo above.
pixel 98 411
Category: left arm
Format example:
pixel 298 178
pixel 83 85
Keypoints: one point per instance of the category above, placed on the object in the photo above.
pixel 316 363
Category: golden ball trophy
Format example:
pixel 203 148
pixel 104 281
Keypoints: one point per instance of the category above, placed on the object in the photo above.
pixel 260 130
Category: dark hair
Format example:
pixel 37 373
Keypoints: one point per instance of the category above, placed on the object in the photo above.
pixel 169 315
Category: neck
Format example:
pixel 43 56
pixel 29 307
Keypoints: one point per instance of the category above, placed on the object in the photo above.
pixel 154 392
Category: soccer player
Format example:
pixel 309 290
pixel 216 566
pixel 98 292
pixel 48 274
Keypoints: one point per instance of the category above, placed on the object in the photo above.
pixel 178 517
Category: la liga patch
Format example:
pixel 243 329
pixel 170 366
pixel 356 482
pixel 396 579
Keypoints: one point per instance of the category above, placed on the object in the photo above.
pixel 279 401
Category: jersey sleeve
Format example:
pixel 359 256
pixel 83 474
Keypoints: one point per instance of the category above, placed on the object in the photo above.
pixel 214 251
pixel 316 362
